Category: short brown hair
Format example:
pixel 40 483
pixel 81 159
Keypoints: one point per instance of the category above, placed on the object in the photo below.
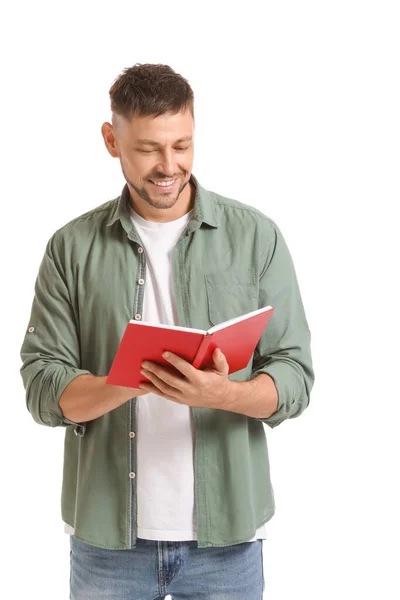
pixel 144 90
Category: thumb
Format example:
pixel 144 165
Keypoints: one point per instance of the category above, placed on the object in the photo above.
pixel 220 361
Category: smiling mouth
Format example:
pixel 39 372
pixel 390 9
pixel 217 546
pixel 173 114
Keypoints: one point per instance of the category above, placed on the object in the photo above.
pixel 163 183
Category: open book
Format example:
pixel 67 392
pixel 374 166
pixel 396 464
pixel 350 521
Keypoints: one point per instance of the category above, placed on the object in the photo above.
pixel 236 338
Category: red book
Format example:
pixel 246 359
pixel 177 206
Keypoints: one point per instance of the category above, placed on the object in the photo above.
pixel 236 338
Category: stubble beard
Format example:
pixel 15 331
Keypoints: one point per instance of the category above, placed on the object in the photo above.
pixel 162 203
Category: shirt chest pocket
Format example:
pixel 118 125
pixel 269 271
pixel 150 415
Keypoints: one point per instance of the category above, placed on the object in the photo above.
pixel 230 295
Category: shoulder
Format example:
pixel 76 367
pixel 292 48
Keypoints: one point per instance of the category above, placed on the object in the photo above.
pixel 87 225
pixel 239 214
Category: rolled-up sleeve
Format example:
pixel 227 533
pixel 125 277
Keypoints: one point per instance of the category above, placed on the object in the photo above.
pixel 284 350
pixel 50 351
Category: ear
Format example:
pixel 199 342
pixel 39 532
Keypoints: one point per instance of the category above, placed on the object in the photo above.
pixel 110 139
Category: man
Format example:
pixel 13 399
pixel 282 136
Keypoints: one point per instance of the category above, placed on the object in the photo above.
pixel 166 488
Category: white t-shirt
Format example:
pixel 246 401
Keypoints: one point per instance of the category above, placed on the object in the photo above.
pixel 165 454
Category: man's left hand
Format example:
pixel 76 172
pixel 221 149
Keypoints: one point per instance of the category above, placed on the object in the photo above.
pixel 186 385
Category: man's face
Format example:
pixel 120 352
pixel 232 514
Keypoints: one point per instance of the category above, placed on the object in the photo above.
pixel 156 154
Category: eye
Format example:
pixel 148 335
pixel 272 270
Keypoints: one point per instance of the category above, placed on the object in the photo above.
pixel 146 151
pixel 181 149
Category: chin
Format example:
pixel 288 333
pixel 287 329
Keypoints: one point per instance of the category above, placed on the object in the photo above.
pixel 164 203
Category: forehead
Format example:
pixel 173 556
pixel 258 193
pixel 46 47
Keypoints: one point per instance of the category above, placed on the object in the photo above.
pixel 168 126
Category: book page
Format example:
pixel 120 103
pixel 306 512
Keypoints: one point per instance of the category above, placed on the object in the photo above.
pixel 237 319
pixel 162 326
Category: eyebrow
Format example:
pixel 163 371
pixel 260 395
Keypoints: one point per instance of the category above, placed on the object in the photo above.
pixel 187 138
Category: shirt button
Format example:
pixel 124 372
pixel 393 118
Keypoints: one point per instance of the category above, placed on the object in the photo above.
pixel 131 475
pixel 138 317
pixel 131 434
pixel 140 249
pixel 31 329
pixel 141 281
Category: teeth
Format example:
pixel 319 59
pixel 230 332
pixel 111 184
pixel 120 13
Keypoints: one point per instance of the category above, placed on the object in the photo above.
pixel 164 183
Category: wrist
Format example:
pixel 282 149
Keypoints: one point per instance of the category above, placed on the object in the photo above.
pixel 230 395
pixel 256 398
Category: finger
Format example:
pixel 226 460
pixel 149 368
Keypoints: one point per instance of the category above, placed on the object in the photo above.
pixel 166 373
pixel 182 365
pixel 152 389
pixel 163 381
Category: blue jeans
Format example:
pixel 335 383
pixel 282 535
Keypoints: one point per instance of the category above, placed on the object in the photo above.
pixel 154 569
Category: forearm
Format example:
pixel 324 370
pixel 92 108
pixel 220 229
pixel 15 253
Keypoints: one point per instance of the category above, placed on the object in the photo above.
pixel 256 398
pixel 88 397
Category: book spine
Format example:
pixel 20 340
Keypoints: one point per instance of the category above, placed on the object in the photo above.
pixel 201 352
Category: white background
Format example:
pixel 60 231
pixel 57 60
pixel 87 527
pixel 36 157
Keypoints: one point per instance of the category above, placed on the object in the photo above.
pixel 297 113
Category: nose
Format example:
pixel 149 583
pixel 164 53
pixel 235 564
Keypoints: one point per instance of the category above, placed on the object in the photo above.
pixel 167 164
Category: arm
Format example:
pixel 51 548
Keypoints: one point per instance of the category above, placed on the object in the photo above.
pixel 51 356
pixel 257 398
pixel 88 397
pixel 284 350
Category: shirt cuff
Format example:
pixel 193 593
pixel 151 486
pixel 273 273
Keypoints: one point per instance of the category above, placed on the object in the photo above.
pixel 292 398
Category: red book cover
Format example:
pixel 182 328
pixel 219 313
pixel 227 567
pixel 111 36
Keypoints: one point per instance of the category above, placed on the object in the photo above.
pixel 236 338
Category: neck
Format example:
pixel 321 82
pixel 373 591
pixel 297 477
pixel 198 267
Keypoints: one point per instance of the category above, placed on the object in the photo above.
pixel 181 207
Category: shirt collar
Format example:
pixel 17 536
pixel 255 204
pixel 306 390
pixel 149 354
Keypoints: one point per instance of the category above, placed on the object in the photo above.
pixel 204 210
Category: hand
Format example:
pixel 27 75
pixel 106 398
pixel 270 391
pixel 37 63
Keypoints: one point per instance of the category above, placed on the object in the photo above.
pixel 186 385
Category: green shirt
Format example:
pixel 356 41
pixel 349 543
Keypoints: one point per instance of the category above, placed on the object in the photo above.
pixel 231 259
